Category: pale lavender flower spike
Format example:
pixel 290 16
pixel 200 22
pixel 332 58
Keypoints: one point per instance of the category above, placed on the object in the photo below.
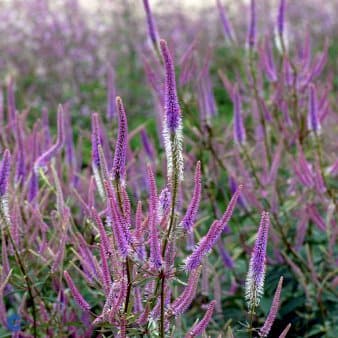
pixel 119 164
pixel 55 148
pixel 189 218
pixel 313 122
pixel 208 241
pixel 239 131
pixel 251 39
pixel 201 325
pixel 285 331
pixel 152 29
pixel 171 105
pixel 75 293
pixel 255 279
pixel 264 331
pixel 182 303
pixel 111 90
pixel 4 172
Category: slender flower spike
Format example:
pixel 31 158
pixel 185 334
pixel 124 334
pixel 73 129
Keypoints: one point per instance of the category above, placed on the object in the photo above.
pixel 281 18
pixel 172 107
pixel 313 122
pixel 75 292
pixel 227 29
pixel 152 29
pixel 172 126
pixel 119 164
pixel 264 331
pixel 55 148
pixel 200 326
pixel 255 279
pixel 4 172
pixel 155 251
pixel 208 241
pixel 239 131
pixel 110 94
pixel 251 39
pixel 189 218
pixel 181 304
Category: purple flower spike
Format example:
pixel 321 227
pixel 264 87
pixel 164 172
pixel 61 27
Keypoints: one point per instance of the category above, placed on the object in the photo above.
pixel 208 241
pixel 75 292
pixel 4 172
pixel 251 39
pixel 313 122
pixel 171 105
pixel 264 331
pixel 227 29
pixel 152 29
pixel 119 164
pixel 181 304
pixel 255 279
pixel 200 326
pixel 121 233
pixel 155 253
pixel 281 18
pixel 55 148
pixel 147 146
pixel 239 131
pixel 189 218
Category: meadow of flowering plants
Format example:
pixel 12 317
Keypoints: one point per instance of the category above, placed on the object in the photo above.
pixel 166 173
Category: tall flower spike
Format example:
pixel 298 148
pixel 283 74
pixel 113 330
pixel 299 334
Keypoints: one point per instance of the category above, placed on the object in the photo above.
pixel 227 29
pixel 189 218
pixel 55 148
pixel 4 172
pixel 155 251
pixel 201 325
pixel 119 164
pixel 75 292
pixel 264 331
pixel 152 29
pixel 239 131
pixel 255 279
pixel 208 241
pixel 251 39
pixel 172 107
pixel 172 126
pixel 313 122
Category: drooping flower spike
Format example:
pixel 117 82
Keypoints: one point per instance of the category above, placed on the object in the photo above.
pixel 75 293
pixel 42 161
pixel 189 218
pixel 201 325
pixel 255 278
pixel 215 231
